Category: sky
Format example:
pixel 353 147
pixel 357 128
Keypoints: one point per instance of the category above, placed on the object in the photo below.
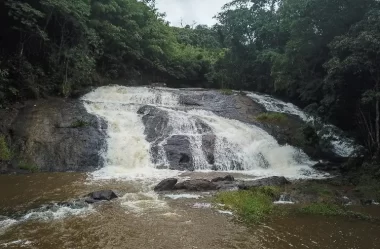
pixel 200 11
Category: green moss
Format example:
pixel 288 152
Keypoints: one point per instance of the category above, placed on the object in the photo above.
pixel 272 117
pixel 5 153
pixel 79 124
pixel 251 205
pixel 31 167
pixel 226 91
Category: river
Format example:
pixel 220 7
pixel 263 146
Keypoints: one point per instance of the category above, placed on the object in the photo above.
pixel 34 214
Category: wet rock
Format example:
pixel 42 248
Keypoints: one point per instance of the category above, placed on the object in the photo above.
pixel 55 135
pixel 178 153
pixel 227 185
pixel 103 195
pixel 327 166
pixel 269 181
pixel 366 202
pixel 187 100
pixel 228 178
pixel 166 185
pixel 208 147
pixel 196 185
pixel 155 121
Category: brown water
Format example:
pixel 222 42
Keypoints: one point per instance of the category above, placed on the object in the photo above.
pixel 141 219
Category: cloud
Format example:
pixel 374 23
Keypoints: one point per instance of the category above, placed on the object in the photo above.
pixel 200 11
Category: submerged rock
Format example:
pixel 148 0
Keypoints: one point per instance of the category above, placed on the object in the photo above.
pixel 165 185
pixel 269 181
pixel 103 195
pixel 196 185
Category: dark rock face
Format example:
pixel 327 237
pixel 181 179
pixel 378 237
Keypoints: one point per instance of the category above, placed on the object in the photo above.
pixel 176 147
pixel 56 135
pixel 166 185
pixel 327 166
pixel 103 195
pixel 270 181
pixel 178 152
pixel 196 185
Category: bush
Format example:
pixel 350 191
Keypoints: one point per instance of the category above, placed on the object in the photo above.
pixel 5 153
pixel 272 117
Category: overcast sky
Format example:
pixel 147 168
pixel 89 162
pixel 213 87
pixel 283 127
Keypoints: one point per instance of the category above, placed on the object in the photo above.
pixel 200 11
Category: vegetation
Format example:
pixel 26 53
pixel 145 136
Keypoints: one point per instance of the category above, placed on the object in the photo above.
pixel 324 58
pixel 31 167
pixel 5 153
pixel 272 117
pixel 226 91
pixel 79 123
pixel 251 205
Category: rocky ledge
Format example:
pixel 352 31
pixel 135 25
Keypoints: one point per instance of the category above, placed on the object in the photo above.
pixel 52 134
pixel 227 182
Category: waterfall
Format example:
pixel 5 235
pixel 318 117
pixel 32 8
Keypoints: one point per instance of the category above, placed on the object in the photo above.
pixel 238 146
pixel 342 145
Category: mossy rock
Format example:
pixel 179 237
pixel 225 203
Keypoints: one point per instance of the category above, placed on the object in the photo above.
pixel 5 152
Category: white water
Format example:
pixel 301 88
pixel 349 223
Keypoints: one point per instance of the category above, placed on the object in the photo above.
pixel 239 146
pixel 342 145
pixel 54 213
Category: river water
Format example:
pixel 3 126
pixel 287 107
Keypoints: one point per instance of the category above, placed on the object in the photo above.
pixel 143 219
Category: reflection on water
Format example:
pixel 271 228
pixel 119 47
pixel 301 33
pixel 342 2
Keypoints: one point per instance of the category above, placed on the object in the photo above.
pixel 142 219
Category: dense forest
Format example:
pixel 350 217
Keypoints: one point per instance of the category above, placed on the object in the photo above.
pixel 323 55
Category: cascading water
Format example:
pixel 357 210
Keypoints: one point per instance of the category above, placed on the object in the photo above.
pixel 342 146
pixel 238 146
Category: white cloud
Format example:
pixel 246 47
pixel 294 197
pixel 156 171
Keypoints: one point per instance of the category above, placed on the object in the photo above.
pixel 199 11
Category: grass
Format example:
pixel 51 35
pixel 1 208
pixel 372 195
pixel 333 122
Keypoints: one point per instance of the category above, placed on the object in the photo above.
pixel 272 117
pixel 79 124
pixel 226 91
pixel 28 166
pixel 5 153
pixel 253 205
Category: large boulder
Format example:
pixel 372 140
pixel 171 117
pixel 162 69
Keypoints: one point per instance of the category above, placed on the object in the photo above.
pixel 54 134
pixel 269 181
pixel 196 185
pixel 178 153
pixel 166 185
pixel 103 195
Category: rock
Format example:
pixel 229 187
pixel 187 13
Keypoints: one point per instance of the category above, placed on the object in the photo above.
pixel 326 166
pixel 57 135
pixel 187 100
pixel 368 202
pixel 269 181
pixel 228 178
pixel 178 153
pixel 208 147
pixel 165 185
pixel 196 185
pixel 103 195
